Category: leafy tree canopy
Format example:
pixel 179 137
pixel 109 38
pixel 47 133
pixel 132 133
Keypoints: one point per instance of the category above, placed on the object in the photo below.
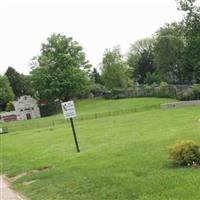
pixel 96 77
pixel 61 71
pixel 6 93
pixel 114 69
pixel 192 36
pixel 20 83
pixel 168 58
pixel 140 59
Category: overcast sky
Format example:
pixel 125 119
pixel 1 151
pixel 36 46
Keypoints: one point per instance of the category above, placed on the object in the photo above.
pixel 95 24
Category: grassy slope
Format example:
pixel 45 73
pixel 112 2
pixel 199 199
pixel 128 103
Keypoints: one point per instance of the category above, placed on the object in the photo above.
pixel 101 105
pixel 88 107
pixel 122 157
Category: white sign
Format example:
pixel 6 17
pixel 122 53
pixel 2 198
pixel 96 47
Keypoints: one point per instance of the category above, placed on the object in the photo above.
pixel 68 109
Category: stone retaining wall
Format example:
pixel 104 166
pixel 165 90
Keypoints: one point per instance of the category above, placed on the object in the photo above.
pixel 181 104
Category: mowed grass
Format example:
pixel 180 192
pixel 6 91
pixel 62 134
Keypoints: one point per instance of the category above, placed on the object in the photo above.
pixel 122 157
pixel 88 109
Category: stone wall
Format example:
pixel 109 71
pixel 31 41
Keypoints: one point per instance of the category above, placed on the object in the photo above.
pixel 181 104
pixel 8 116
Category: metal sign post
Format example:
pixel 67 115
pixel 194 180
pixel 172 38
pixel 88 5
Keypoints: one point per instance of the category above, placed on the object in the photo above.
pixel 69 113
pixel 74 133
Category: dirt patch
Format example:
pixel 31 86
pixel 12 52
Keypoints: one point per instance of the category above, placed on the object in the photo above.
pixel 39 169
pixel 26 183
pixel 14 178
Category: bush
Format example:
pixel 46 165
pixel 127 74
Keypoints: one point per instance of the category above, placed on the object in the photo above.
pixel 163 90
pixel 152 78
pixel 97 89
pixel 149 90
pixel 196 91
pixel 9 106
pixel 185 153
pixel 185 96
pixel 118 93
pixel 48 109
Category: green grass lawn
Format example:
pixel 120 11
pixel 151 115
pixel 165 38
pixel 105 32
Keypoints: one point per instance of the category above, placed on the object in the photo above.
pixel 122 157
pixel 90 109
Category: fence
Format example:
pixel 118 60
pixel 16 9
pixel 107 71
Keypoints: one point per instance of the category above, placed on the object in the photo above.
pixel 37 124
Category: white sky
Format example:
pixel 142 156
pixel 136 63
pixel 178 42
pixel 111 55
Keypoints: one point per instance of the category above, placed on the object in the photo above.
pixel 95 24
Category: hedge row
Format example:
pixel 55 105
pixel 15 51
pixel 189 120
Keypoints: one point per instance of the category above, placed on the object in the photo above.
pixel 179 92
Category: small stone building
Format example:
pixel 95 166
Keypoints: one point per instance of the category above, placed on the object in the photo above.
pixel 26 108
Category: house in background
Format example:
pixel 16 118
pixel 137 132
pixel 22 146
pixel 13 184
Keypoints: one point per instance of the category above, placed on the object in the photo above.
pixel 26 108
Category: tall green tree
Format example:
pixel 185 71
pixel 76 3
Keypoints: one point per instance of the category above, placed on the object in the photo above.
pixel 192 36
pixel 20 83
pixel 61 71
pixel 6 93
pixel 175 29
pixel 27 88
pixel 168 58
pixel 15 80
pixel 114 69
pixel 140 59
pixel 96 77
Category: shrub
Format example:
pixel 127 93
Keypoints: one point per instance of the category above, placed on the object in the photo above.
pixel 97 89
pixel 163 90
pixel 118 93
pixel 47 110
pixel 185 153
pixel 152 78
pixel 185 96
pixel 9 106
pixel 196 91
pixel 149 90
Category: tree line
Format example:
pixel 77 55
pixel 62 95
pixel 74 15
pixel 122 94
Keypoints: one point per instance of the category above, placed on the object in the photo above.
pixel 62 72
pixel 171 55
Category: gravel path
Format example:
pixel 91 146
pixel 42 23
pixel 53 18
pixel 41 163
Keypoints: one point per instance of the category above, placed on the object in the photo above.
pixel 6 193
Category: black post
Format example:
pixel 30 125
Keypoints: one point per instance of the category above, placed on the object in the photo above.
pixel 74 133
